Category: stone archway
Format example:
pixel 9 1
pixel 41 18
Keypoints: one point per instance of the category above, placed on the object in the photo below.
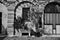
pixel 19 4
pixel 18 9
pixel 3 17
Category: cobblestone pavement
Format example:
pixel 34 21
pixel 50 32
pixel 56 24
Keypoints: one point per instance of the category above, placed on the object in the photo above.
pixel 32 38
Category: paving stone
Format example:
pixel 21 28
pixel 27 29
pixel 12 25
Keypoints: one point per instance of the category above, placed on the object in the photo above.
pixel 32 38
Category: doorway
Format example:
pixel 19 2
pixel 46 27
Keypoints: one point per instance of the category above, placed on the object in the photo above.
pixel 25 13
pixel 0 22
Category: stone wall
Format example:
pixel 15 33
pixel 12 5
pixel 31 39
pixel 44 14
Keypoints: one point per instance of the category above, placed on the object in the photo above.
pixel 10 7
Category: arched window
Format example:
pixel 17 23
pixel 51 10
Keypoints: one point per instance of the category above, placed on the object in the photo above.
pixel 52 13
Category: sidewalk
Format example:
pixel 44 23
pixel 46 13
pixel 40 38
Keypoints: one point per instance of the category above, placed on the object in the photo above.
pixel 45 37
pixel 52 36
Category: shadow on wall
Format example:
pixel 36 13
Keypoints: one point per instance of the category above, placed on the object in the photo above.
pixel 4 31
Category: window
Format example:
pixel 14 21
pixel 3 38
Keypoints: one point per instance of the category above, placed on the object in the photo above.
pixel 52 13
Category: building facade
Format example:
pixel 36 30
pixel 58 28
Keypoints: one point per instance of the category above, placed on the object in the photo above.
pixel 11 10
